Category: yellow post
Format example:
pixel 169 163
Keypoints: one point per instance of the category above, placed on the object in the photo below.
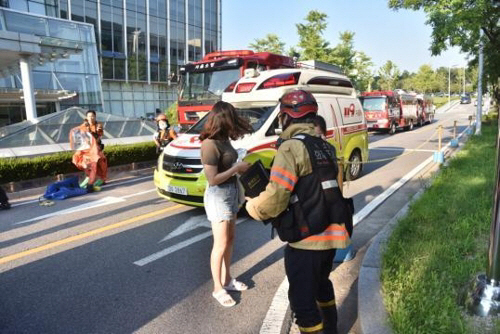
pixel 340 176
pixel 440 134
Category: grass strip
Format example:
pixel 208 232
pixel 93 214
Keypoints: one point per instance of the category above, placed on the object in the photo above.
pixel 436 250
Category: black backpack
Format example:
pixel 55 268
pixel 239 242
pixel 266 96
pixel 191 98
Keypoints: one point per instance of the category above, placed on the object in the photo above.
pixel 316 201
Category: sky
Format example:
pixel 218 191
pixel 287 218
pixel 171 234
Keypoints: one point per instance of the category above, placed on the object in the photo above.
pixel 383 34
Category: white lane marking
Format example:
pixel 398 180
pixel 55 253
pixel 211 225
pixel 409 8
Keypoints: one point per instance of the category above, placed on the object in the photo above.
pixel 399 149
pixel 190 224
pixel 101 202
pixel 280 300
pixel 276 314
pixel 158 255
pixel 104 186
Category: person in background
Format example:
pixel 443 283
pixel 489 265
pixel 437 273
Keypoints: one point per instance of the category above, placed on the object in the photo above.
pixel 4 200
pixel 92 161
pixel 320 126
pixel 221 196
pixel 164 133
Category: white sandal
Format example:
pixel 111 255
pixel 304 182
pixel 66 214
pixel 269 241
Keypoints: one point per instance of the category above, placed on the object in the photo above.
pixel 224 298
pixel 235 285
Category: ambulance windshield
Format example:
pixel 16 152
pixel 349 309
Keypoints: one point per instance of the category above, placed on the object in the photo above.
pixel 257 116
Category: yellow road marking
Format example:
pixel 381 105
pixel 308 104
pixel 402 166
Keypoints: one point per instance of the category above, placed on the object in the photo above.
pixel 86 234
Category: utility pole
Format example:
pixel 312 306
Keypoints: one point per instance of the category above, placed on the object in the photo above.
pixel 449 86
pixel 479 110
pixel 464 80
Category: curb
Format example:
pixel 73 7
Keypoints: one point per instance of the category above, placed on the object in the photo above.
pixel 36 187
pixel 371 309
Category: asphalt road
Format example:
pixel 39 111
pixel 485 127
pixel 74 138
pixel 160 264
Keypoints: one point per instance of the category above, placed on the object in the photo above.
pixel 124 260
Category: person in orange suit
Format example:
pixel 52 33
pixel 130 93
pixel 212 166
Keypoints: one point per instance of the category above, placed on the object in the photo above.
pixel 89 155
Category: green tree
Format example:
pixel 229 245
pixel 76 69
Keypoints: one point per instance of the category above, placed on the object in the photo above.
pixel 344 54
pixel 457 23
pixel 389 76
pixel 311 42
pixel 425 79
pixel 362 71
pixel 172 114
pixel 270 43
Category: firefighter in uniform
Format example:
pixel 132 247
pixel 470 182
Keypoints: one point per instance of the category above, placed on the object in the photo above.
pixel 308 262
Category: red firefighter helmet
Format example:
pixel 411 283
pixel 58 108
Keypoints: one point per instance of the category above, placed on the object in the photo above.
pixel 161 117
pixel 298 103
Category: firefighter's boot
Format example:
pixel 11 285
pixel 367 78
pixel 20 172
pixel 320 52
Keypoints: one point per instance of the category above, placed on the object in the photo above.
pixel 318 329
pixel 329 315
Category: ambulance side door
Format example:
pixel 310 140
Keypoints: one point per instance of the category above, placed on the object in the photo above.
pixel 325 110
pixel 334 111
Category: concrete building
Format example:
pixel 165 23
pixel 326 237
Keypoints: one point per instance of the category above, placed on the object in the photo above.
pixel 117 56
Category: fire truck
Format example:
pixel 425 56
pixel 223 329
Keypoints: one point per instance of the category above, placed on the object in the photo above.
pixel 427 109
pixel 203 82
pixel 391 110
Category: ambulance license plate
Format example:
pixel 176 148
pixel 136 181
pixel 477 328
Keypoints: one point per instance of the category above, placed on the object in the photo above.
pixel 177 190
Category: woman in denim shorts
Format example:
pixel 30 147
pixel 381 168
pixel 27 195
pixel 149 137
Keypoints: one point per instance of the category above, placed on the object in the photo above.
pixel 221 196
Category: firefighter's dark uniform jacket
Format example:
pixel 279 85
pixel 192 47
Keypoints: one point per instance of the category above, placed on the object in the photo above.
pixel 292 162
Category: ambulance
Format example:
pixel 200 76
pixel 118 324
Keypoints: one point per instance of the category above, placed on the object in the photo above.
pixel 179 175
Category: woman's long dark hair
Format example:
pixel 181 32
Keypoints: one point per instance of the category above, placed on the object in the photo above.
pixel 223 123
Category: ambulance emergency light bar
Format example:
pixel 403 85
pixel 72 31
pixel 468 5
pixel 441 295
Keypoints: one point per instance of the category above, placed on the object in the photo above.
pixel 319 65
pixel 211 66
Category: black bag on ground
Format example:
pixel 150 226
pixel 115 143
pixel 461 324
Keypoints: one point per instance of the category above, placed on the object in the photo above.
pixel 316 201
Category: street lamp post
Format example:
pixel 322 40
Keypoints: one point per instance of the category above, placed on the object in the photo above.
pixel 449 83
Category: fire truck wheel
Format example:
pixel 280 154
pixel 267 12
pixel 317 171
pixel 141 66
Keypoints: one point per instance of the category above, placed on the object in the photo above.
pixel 392 129
pixel 355 166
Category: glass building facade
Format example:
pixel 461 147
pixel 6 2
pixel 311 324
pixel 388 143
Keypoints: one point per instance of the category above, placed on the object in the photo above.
pixel 140 45
pixel 76 72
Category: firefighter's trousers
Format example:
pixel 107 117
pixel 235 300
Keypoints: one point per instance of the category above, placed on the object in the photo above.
pixel 311 289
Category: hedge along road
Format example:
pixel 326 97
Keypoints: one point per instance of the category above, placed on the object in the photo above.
pixel 92 274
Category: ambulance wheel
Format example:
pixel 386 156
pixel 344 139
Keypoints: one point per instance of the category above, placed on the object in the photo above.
pixel 392 129
pixel 354 168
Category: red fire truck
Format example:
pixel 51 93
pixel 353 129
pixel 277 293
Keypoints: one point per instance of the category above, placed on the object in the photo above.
pixel 390 111
pixel 427 109
pixel 203 82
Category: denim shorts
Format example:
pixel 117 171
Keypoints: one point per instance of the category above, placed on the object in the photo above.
pixel 221 202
